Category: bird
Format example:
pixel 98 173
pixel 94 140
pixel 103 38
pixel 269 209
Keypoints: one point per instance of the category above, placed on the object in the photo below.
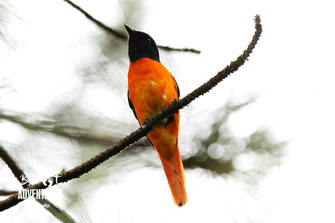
pixel 151 88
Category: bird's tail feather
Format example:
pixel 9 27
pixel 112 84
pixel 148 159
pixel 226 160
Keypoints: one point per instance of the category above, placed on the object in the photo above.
pixel 174 172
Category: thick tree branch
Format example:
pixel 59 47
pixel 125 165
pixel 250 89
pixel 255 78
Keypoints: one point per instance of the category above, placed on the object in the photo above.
pixel 143 131
pixel 18 173
pixel 121 35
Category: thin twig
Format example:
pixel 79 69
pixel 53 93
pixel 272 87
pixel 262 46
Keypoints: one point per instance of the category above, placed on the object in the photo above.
pixel 143 130
pixel 121 35
pixel 18 173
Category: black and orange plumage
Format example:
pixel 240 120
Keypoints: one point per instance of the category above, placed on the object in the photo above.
pixel 151 88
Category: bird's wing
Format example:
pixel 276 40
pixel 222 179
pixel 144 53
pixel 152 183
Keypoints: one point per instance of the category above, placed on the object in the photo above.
pixel 132 106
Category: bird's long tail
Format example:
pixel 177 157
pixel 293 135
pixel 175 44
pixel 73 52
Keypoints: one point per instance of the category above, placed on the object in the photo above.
pixel 174 172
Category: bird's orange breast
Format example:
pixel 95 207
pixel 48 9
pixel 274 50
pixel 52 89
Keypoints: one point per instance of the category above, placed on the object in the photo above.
pixel 151 87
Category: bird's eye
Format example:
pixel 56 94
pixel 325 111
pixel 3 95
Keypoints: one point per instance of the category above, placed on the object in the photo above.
pixel 148 41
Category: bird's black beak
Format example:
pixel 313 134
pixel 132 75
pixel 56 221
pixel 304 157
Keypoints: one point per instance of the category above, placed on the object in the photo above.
pixel 131 32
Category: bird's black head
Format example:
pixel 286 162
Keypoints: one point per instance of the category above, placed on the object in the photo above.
pixel 141 45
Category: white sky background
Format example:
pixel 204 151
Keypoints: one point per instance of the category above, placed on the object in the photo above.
pixel 291 71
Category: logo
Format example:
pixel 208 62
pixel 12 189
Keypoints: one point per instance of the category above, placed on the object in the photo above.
pixel 36 193
pixel 49 182
pixel 24 180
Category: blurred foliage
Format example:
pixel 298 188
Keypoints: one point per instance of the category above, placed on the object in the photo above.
pixel 3 19
pixel 112 51
pixel 221 151
pixel 7 14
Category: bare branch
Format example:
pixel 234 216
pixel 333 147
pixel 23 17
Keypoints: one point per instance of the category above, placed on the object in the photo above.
pixel 85 167
pixel 11 163
pixel 120 34
pixel 60 214
pixel 53 209
pixel 55 128
pixel 7 192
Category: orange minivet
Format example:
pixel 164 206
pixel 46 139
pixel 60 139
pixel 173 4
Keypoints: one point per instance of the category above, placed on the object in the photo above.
pixel 151 88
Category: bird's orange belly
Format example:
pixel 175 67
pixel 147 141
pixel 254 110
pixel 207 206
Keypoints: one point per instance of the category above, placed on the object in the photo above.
pixel 151 97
